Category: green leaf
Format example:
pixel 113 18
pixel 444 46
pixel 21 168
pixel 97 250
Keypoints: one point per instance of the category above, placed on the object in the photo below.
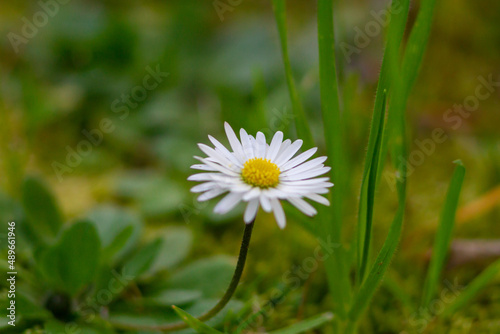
pixel 194 323
pixel 210 276
pixel 41 209
pixel 142 261
pixel 79 254
pixel 118 243
pixel 156 195
pixel 443 235
pixel 48 265
pixel 118 230
pixel 162 199
pixel 368 186
pixel 176 244
pixel 303 130
pixel 306 325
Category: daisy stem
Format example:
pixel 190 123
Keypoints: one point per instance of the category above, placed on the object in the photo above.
pixel 245 243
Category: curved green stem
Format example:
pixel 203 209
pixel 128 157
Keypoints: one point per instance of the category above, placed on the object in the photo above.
pixel 245 243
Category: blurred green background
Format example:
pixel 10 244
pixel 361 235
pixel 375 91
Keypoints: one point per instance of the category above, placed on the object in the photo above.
pixel 79 110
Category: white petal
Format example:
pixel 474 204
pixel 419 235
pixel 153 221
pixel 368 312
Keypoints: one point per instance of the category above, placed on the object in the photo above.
pixel 266 204
pixel 221 148
pixel 253 193
pixel 303 206
pixel 253 142
pixel 275 145
pixel 288 153
pixel 210 194
pixel 284 146
pixel 305 166
pixel 246 144
pixel 300 190
pixel 241 187
pixel 227 203
pixel 203 167
pixel 204 187
pixel 278 213
pixel 307 174
pixel 220 168
pixel 202 177
pixel 306 182
pixel 317 198
pixel 251 211
pixel 234 142
pixel 299 159
pixel 219 177
pixel 279 193
pixel 218 157
pixel 261 145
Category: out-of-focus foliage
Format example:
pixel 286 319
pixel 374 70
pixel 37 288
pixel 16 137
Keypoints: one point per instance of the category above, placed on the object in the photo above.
pixel 114 204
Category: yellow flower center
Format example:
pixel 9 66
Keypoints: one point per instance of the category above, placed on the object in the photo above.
pixel 260 173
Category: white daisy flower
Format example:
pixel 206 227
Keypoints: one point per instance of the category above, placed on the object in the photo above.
pixel 260 174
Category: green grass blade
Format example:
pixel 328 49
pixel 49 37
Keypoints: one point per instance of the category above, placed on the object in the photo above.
pixel 306 325
pixel 390 65
pixel 443 235
pixel 412 60
pixel 331 222
pixel 471 290
pixel 303 130
pixel 394 37
pixel 378 269
pixel 398 138
pixel 194 323
pixel 417 42
pixel 368 185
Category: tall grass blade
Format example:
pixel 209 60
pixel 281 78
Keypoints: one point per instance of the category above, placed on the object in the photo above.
pixel 368 185
pixel 399 14
pixel 396 133
pixel 413 55
pixel 331 223
pixel 303 129
pixel 378 269
pixel 443 235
